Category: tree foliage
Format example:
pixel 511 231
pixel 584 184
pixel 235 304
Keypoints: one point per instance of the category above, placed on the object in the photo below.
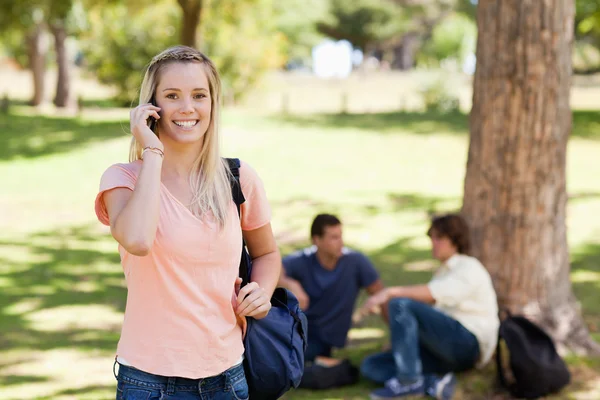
pixel 297 21
pixel 239 36
pixel 120 41
pixel 453 38
pixel 363 22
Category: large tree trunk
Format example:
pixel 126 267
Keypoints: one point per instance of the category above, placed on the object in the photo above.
pixel 37 62
pixel 192 11
pixel 515 186
pixel 63 83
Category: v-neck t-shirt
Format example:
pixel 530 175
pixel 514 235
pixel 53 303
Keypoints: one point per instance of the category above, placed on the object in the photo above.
pixel 179 317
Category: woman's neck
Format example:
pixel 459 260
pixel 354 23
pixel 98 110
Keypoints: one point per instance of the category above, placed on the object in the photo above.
pixel 179 160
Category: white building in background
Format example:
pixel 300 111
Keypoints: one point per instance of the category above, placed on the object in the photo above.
pixel 332 59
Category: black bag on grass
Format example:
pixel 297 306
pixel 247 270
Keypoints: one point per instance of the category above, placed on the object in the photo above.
pixel 526 360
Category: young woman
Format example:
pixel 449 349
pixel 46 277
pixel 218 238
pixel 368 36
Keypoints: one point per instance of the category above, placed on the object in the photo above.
pixel 448 325
pixel 171 211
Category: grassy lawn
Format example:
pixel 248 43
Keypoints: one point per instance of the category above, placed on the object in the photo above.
pixel 62 291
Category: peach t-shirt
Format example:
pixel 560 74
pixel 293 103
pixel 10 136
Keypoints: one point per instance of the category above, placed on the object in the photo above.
pixel 179 318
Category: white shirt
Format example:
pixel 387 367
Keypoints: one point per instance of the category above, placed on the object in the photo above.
pixel 462 289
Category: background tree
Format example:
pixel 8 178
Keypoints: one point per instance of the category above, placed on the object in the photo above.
pixel 587 34
pixel 364 23
pixel 121 40
pixel 515 187
pixel 297 21
pixel 191 13
pixel 58 14
pixel 242 39
pixel 239 35
pixel 24 21
pixel 396 29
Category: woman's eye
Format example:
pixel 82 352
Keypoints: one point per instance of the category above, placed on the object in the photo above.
pixel 200 96
pixel 171 96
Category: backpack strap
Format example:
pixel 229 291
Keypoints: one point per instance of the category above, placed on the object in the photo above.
pixel 236 187
pixel 238 198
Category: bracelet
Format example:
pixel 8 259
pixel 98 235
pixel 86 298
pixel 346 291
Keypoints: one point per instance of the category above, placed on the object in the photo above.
pixel 155 150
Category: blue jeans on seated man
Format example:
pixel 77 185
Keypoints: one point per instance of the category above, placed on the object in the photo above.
pixel 427 346
pixel 134 384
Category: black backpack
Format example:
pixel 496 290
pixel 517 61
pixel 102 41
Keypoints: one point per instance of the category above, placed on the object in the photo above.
pixel 534 368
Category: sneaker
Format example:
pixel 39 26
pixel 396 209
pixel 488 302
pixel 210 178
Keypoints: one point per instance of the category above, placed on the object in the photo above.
pixel 393 389
pixel 442 388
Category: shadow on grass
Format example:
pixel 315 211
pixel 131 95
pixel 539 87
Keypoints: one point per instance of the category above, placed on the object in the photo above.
pixel 36 135
pixel 585 265
pixel 41 301
pixel 388 122
pixel 586 123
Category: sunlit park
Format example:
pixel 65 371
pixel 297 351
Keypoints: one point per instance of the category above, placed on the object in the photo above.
pixel 382 112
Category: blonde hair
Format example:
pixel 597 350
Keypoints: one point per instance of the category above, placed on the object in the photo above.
pixel 210 177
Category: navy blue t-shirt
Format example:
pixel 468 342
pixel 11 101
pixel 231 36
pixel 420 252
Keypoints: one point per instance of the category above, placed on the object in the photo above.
pixel 332 293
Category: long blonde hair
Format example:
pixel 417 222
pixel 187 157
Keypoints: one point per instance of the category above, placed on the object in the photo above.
pixel 210 175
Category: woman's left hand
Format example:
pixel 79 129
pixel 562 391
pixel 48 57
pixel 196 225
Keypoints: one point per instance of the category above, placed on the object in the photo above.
pixel 253 301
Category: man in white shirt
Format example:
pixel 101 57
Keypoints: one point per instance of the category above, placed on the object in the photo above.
pixel 448 325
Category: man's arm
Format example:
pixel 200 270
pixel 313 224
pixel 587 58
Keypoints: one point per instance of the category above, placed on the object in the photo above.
pixel 415 292
pixel 380 300
pixel 375 288
pixel 295 287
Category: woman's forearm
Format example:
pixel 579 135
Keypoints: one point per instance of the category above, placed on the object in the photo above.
pixel 266 270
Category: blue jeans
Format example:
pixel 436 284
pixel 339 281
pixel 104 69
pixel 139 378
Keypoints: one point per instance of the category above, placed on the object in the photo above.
pixel 134 384
pixel 425 341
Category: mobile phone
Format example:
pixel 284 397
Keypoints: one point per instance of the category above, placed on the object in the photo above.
pixel 152 121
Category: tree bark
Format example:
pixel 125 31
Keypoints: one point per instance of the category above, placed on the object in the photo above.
pixel 63 84
pixel 37 62
pixel 192 13
pixel 515 186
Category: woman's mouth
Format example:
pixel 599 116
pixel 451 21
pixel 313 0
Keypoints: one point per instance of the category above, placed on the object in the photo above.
pixel 186 124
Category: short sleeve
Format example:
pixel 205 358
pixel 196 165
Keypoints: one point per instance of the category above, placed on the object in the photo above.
pixel 292 266
pixel 256 211
pixel 116 176
pixel 452 288
pixel 367 274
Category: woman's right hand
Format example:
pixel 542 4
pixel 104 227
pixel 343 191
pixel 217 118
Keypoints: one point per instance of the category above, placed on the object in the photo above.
pixel 139 125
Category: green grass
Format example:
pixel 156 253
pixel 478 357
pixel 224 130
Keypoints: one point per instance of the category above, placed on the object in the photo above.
pixel 62 292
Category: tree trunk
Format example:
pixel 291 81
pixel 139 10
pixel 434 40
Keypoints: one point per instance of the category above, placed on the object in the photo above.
pixel 192 11
pixel 515 187
pixel 37 62
pixel 404 52
pixel 63 82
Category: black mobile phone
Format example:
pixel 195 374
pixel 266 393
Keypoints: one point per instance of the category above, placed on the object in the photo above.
pixel 152 121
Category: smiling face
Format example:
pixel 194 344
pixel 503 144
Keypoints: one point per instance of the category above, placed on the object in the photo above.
pixel 183 94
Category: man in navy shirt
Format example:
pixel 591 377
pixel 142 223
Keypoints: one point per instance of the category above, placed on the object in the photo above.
pixel 326 278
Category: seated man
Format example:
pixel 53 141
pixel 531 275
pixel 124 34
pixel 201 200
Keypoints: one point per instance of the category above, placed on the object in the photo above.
pixel 448 325
pixel 326 278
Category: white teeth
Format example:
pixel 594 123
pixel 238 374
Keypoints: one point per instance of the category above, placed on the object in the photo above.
pixel 185 124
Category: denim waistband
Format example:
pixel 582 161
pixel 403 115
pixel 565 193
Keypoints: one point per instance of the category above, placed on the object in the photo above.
pixel 145 379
